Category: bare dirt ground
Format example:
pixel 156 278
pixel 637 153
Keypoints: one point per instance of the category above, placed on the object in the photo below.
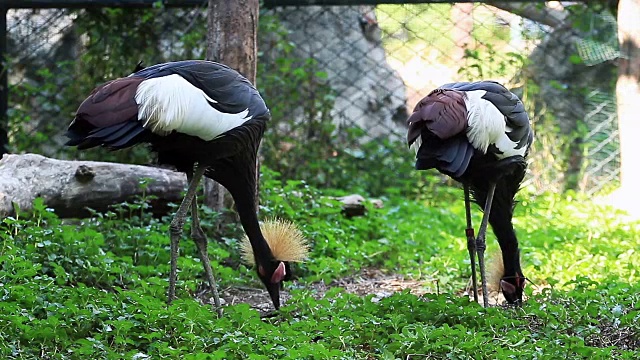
pixel 381 284
pixel 368 281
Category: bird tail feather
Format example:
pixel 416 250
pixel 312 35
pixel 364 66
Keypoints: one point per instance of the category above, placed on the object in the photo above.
pixel 495 271
pixel 451 156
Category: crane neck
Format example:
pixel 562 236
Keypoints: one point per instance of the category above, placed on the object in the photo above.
pixel 237 173
pixel 245 205
pixel 503 229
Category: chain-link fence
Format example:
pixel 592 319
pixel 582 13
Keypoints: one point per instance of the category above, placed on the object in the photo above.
pixel 341 80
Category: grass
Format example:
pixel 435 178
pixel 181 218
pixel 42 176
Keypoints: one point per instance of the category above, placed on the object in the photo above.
pixel 96 289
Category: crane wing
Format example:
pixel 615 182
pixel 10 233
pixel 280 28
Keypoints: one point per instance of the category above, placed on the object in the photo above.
pixel 508 103
pixel 231 92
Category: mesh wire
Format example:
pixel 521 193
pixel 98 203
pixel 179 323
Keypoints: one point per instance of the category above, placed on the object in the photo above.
pixel 370 64
pixel 601 42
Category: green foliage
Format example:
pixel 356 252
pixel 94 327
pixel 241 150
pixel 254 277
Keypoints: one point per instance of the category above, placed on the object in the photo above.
pixel 96 289
pixel 333 167
pixel 411 29
pixel 416 30
pixel 299 140
pixel 302 141
pixel 487 63
pixel 22 129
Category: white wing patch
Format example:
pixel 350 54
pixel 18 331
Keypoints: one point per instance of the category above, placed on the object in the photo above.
pixel 171 103
pixel 487 126
pixel 416 144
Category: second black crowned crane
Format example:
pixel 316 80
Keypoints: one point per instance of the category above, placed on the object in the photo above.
pixel 204 119
pixel 479 134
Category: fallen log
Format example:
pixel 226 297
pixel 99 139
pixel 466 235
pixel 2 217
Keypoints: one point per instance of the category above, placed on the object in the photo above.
pixel 70 187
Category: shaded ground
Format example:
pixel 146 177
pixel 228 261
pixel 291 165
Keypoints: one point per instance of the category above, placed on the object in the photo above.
pixel 610 335
pixel 380 284
pixel 367 282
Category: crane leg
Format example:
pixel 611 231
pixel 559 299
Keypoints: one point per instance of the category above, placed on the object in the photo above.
pixel 175 229
pixel 198 236
pixel 471 243
pixel 481 244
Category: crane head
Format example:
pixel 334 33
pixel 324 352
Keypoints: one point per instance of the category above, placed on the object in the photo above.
pixel 286 244
pixel 512 288
pixel 272 274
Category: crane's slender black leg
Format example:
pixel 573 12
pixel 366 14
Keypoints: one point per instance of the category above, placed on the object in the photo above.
pixel 198 236
pixel 481 244
pixel 471 242
pixel 175 229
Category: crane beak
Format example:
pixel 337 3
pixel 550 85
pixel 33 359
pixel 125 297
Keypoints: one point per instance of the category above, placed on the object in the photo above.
pixel 274 293
pixel 276 283
pixel 273 283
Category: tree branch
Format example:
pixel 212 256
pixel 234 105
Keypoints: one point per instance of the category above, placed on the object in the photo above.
pixel 537 12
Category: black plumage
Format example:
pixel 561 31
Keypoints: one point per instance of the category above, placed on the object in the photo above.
pixel 112 117
pixel 450 142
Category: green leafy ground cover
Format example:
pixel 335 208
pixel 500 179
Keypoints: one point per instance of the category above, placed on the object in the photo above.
pixel 96 289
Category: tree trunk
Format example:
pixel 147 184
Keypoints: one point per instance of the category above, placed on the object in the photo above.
pixel 628 93
pixel 70 187
pixel 232 32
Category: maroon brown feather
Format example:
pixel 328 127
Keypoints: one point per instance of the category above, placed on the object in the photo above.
pixel 111 103
pixel 443 112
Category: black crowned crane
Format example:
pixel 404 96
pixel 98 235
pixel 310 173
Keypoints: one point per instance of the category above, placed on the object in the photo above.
pixel 205 119
pixel 478 134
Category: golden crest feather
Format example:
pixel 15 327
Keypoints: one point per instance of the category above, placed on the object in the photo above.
pixel 286 241
pixel 495 271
